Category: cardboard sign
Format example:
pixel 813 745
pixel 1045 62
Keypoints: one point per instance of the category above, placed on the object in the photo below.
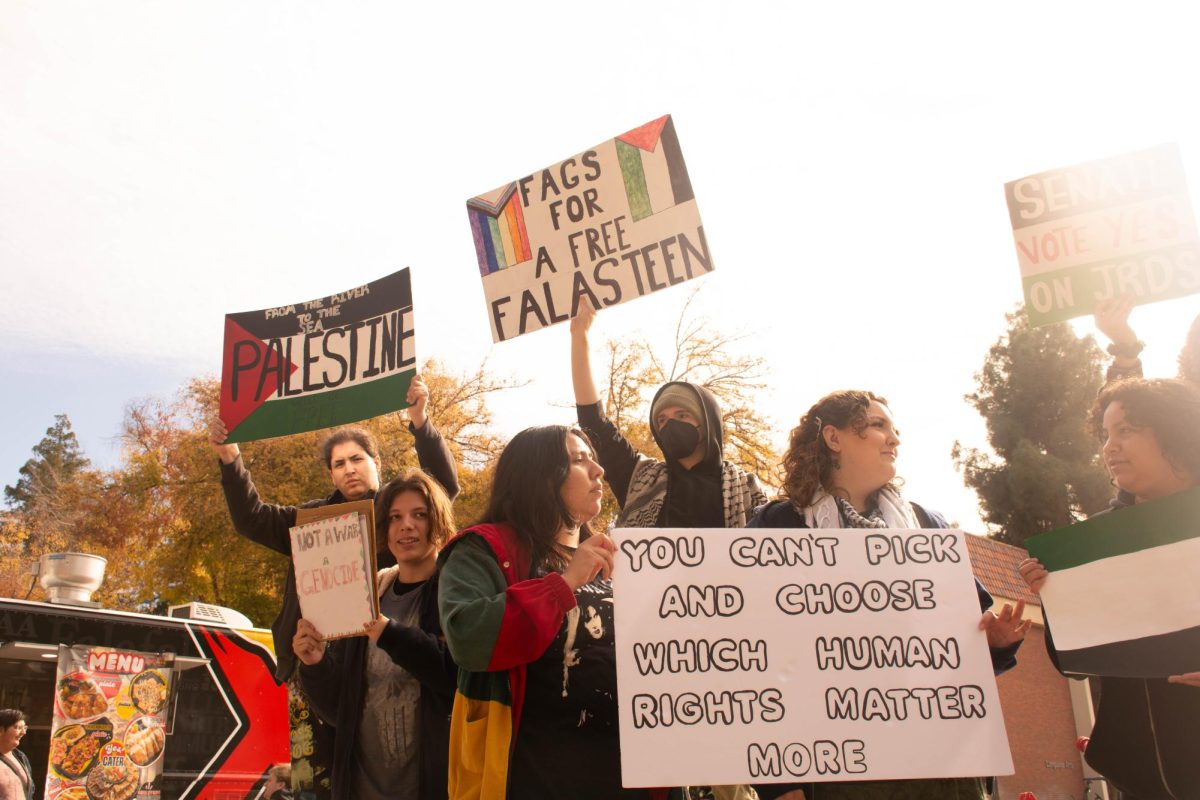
pixel 334 559
pixel 1145 621
pixel 611 224
pixel 325 362
pixel 109 728
pixel 1093 231
pixel 781 656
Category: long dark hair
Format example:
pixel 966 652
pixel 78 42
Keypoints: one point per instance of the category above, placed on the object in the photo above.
pixel 441 512
pixel 808 462
pixel 525 493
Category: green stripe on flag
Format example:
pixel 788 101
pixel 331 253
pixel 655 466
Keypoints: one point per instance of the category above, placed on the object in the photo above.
pixel 630 159
pixel 502 257
pixel 1139 527
pixel 325 409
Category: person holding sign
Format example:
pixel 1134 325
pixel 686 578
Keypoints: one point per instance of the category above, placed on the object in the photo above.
pixel 693 487
pixel 1146 730
pixel 353 460
pixel 839 469
pixel 388 695
pixel 526 605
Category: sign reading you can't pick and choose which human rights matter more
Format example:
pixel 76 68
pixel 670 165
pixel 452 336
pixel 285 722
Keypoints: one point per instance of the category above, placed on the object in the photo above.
pixel 610 224
pixel 1093 231
pixel 324 362
pixel 779 656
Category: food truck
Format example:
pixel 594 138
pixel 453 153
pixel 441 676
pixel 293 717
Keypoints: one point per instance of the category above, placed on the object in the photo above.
pixel 226 720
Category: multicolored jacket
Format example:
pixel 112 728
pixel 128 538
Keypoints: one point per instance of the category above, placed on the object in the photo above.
pixel 496 620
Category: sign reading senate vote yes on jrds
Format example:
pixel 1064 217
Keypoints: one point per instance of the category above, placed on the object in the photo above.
pixel 610 224
pixel 1093 231
pixel 324 362
pixel 779 656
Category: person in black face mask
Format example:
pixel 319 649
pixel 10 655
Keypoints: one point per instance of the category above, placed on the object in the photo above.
pixel 693 487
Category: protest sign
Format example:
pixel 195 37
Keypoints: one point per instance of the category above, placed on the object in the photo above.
pixel 333 553
pixel 109 727
pixel 610 224
pixel 1094 231
pixel 771 656
pixel 1122 598
pixel 320 363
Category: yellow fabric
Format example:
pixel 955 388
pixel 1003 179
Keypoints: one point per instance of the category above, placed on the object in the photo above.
pixel 480 739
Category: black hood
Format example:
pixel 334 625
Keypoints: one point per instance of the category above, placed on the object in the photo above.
pixel 714 446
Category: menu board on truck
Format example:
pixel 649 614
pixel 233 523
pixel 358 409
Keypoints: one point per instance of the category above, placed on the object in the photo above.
pixel 109 727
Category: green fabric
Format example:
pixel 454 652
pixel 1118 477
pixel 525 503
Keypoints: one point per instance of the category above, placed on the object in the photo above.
pixel 471 602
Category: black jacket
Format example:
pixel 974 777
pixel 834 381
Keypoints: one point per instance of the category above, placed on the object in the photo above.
pixel 336 689
pixel 1146 740
pixel 269 525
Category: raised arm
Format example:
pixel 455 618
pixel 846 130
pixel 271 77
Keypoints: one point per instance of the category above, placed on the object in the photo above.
pixel 581 357
pixel 259 522
pixel 432 453
pixel 1112 320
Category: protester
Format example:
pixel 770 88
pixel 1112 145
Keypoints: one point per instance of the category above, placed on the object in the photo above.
pixel 353 461
pixel 694 487
pixel 1112 320
pixel 16 777
pixel 535 715
pixel 840 470
pixel 1146 730
pixel 388 695
pixel 279 783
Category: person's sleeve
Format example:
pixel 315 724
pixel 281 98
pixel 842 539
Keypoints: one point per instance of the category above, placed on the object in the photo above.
pixel 424 655
pixel 1115 373
pixel 435 457
pixel 259 522
pixel 613 451
pixel 322 684
pixel 491 627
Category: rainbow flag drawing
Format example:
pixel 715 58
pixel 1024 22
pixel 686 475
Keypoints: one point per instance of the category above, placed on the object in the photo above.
pixel 652 167
pixel 498 226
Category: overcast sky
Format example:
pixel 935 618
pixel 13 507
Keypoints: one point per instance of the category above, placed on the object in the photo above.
pixel 163 164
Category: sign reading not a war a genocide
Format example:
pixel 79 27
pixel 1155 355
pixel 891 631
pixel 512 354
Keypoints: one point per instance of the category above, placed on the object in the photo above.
pixel 610 224
pixel 1093 231
pixel 324 362
pixel 780 656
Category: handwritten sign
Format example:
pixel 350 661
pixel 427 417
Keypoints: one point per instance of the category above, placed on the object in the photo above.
pixel 334 559
pixel 610 224
pixel 1093 231
pixel 772 656
pixel 324 362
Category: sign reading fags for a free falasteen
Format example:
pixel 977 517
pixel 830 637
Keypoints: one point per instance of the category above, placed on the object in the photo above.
pixel 1093 231
pixel 611 224
pixel 781 656
pixel 336 359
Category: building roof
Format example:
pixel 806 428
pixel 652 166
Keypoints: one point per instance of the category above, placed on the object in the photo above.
pixel 995 565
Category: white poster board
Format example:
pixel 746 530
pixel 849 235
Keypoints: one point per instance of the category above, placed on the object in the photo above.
pixel 335 575
pixel 778 656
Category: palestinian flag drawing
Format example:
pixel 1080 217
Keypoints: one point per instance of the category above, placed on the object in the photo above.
pixel 330 361
pixel 1123 598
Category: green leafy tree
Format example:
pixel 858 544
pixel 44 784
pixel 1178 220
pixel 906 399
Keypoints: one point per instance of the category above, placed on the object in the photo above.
pixel 1034 393
pixel 57 459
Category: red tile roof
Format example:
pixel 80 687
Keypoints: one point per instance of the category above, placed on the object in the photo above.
pixel 995 565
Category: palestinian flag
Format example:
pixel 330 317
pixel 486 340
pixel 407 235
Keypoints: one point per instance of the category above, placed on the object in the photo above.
pixel 1123 596
pixel 330 361
pixel 652 168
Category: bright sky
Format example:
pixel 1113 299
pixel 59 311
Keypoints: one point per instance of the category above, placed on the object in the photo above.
pixel 163 164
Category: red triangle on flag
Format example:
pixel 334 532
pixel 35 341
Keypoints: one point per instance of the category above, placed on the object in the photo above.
pixel 646 137
pixel 253 360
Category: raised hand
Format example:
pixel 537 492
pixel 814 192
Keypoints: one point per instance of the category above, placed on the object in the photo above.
pixel 595 556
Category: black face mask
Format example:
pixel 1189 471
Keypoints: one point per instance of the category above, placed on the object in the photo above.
pixel 678 439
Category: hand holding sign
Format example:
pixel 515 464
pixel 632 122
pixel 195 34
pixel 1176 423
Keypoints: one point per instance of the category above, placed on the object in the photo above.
pixel 417 399
pixel 308 644
pixel 593 557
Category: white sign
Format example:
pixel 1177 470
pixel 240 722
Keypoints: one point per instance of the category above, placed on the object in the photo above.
pixel 335 574
pixel 778 656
